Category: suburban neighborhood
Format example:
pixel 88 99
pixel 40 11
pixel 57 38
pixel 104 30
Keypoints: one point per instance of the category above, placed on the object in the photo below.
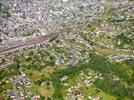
pixel 66 50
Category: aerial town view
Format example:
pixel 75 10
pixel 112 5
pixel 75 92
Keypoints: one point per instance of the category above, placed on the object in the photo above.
pixel 66 49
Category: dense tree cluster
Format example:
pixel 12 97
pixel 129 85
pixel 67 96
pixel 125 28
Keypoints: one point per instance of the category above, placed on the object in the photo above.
pixel 108 84
pixel 108 69
pixel 4 11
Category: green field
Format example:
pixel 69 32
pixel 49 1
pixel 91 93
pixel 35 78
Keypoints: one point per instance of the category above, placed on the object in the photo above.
pixel 106 96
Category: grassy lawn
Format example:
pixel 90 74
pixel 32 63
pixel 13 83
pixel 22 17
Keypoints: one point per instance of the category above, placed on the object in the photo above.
pixel 104 51
pixel 47 71
pixel 106 96
pixel 34 88
pixel 27 34
pixel 90 91
pixel 31 74
pixel 8 86
pixel 46 91
pixel 132 47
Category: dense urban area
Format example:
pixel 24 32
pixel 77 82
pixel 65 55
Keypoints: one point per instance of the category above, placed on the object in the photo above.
pixel 66 49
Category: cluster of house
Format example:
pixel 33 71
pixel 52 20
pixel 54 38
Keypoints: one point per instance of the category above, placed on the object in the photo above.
pixel 74 90
pixel 45 16
pixel 120 57
pixel 19 87
pixel 74 52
